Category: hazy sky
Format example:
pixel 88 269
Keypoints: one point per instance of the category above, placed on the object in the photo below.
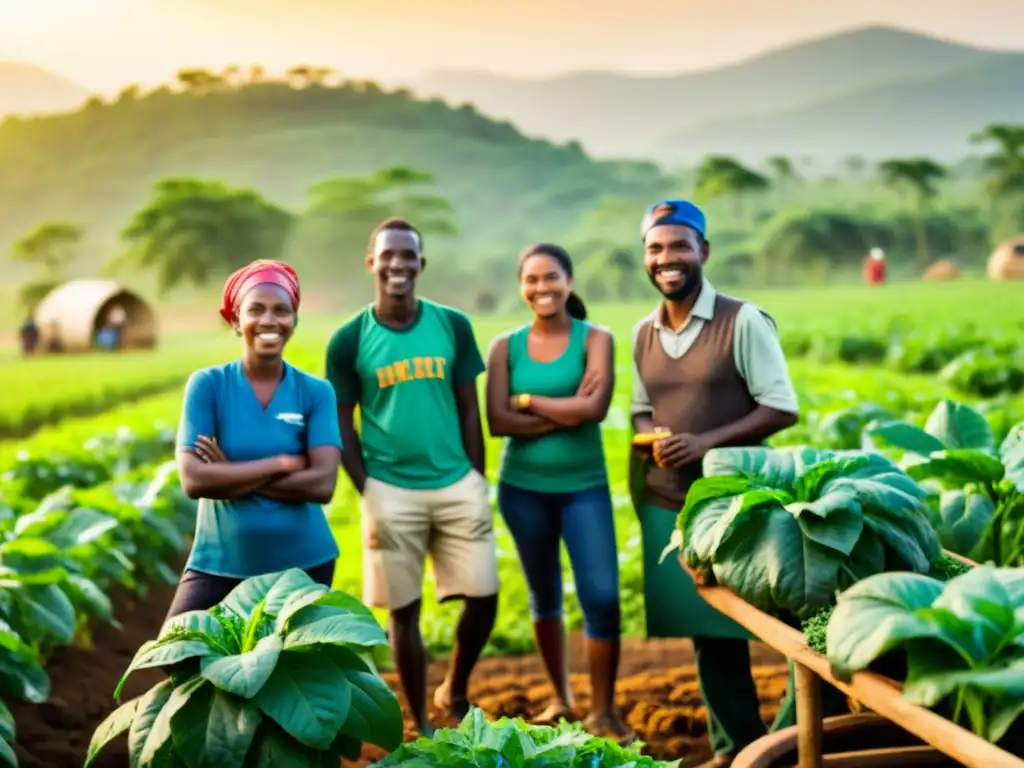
pixel 105 44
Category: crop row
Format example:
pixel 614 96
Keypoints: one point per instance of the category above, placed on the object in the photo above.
pixel 974 362
pixel 842 522
pixel 93 452
pixel 837 403
pixel 47 390
pixel 76 525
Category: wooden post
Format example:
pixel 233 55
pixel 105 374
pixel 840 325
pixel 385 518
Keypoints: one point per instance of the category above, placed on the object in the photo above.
pixel 808 717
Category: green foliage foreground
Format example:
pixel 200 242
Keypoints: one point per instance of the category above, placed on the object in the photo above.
pixel 962 640
pixel 279 673
pixel 513 743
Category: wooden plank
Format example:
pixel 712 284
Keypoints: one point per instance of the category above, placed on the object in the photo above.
pixel 882 695
pixel 808 717
pixel 887 758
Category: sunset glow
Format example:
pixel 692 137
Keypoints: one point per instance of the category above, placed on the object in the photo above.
pixel 105 44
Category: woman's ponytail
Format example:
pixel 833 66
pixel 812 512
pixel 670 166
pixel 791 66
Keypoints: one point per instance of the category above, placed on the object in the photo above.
pixel 575 307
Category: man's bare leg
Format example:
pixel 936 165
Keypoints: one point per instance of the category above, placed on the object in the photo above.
pixel 411 660
pixel 475 625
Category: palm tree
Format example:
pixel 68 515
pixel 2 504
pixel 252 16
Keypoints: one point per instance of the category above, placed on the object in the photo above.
pixel 192 230
pixel 1006 166
pixel 919 174
pixel 720 176
pixel 784 171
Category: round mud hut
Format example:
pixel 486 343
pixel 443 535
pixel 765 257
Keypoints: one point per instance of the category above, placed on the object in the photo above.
pixel 1007 261
pixel 78 316
pixel 941 270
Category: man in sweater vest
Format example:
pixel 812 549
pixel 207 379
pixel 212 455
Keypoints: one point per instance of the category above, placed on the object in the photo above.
pixel 710 370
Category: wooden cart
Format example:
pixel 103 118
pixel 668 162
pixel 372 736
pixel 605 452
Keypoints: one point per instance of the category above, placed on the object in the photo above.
pixel 882 695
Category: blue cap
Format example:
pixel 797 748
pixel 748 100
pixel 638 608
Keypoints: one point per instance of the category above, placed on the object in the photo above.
pixel 681 212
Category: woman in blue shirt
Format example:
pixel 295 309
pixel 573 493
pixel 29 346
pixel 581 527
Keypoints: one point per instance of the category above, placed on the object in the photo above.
pixel 259 447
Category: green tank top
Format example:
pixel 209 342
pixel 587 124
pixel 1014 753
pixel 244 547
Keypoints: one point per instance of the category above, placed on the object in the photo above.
pixel 568 459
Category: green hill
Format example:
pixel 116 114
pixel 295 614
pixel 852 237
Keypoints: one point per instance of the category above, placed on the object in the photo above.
pixel 614 114
pixel 97 165
pixel 932 116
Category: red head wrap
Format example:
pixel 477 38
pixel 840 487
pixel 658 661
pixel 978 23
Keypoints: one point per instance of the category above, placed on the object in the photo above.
pixel 258 272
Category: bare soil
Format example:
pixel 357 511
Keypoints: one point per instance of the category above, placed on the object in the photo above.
pixel 657 692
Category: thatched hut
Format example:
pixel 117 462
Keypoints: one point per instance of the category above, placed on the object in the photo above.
pixel 944 269
pixel 71 315
pixel 1007 261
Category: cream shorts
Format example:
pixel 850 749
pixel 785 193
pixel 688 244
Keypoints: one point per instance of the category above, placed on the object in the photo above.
pixel 401 526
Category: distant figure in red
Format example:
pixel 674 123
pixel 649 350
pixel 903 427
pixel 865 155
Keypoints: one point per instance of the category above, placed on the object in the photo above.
pixel 874 267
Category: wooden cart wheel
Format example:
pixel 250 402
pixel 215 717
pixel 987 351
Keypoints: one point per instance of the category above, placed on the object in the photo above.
pixel 848 741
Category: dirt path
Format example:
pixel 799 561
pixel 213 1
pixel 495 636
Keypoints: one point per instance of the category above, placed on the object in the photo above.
pixel 657 691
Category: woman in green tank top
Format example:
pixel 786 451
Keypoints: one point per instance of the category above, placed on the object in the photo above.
pixel 549 384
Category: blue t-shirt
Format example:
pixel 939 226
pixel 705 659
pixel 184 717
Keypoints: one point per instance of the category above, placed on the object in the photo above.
pixel 253 534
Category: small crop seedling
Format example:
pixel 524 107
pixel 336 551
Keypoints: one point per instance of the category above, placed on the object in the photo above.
pixel 513 743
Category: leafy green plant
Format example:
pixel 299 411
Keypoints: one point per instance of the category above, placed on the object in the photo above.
pixel 785 530
pixel 841 429
pixel 7 736
pixel 963 640
pixel 279 673
pixel 21 677
pixel 986 372
pixel 815 628
pixel 63 546
pixel 513 743
pixel 979 500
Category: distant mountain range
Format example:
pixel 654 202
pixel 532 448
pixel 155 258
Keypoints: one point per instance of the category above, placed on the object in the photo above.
pixel 875 92
pixel 28 89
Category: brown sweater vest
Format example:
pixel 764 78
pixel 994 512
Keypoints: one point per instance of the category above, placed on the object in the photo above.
pixel 699 392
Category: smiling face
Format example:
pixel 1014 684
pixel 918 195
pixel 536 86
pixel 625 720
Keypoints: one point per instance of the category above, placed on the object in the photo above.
pixel 674 257
pixel 544 285
pixel 266 320
pixel 396 261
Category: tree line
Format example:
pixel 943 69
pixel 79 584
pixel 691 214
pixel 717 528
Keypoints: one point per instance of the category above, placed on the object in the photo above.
pixel 719 176
pixel 194 231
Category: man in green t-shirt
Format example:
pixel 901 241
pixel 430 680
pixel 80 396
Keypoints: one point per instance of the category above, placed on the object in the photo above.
pixel 411 367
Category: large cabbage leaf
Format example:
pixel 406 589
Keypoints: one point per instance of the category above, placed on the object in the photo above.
pixel 978 491
pixel 950 426
pixel 785 530
pixel 964 640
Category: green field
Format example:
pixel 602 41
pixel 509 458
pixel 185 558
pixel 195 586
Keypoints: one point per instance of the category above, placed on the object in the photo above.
pixel 90 503
pixel 824 387
pixel 169 189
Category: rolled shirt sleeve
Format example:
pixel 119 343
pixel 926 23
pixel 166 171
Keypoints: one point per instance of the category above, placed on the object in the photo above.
pixel 761 362
pixel 639 401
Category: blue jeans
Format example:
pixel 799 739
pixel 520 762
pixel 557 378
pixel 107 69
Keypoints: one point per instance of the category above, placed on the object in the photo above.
pixel 538 523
